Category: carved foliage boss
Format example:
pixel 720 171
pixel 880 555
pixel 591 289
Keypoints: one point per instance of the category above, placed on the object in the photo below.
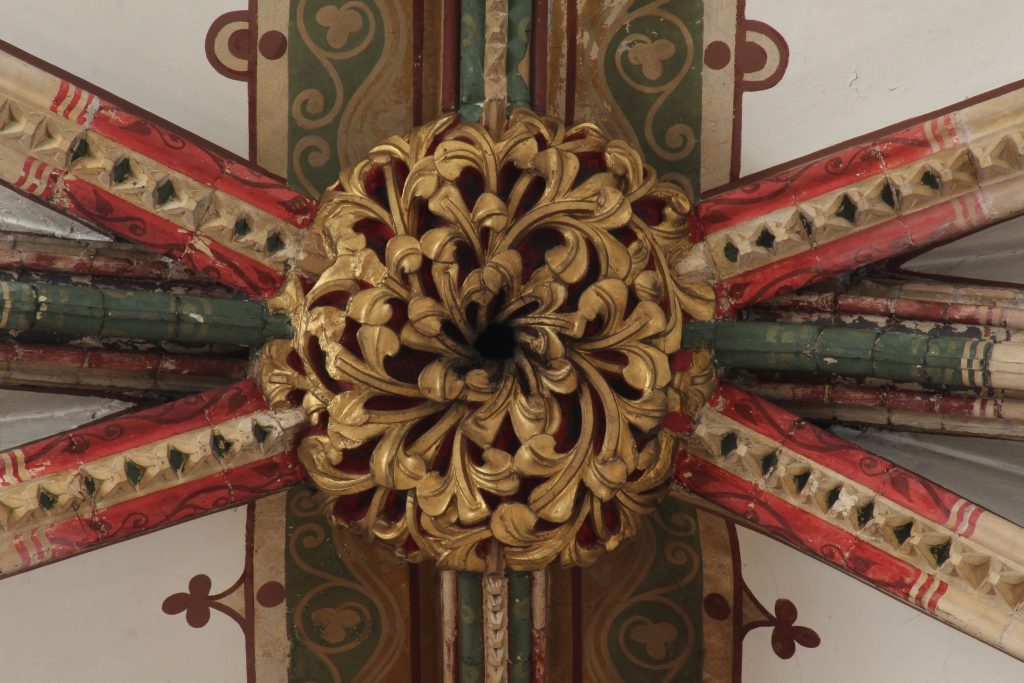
pixel 485 353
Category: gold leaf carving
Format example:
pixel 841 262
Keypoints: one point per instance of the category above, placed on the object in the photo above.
pixel 486 354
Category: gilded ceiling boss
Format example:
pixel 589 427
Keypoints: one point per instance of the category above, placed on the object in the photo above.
pixel 486 344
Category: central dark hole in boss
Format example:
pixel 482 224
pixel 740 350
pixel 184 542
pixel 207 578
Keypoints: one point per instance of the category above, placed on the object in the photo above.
pixel 496 342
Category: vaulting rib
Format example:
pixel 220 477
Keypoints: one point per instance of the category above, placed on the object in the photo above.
pixel 931 182
pixel 110 166
pixel 125 476
pixel 881 523
pixel 902 304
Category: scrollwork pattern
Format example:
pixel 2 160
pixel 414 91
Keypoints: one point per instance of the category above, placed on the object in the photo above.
pixel 341 42
pixel 646 625
pixel 647 69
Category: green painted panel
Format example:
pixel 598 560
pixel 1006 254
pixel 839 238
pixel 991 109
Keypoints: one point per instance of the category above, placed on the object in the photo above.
pixel 332 49
pixel 654 632
pixel 334 624
pixel 471 635
pixel 652 65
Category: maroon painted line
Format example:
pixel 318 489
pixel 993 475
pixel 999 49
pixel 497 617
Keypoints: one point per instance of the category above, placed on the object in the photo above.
pixel 861 139
pixel 737 604
pixel 737 96
pixel 571 38
pixel 249 623
pixel 254 36
pixel 576 577
pixel 417 62
pixel 895 266
pixel 452 34
pixel 415 615
pixel 539 57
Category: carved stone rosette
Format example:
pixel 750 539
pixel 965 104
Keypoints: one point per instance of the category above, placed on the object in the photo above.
pixel 486 354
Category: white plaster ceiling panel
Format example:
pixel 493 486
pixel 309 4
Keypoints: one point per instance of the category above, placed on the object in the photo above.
pixel 992 254
pixel 866 636
pixel 26 416
pixel 859 66
pixel 151 54
pixel 20 214
pixel 988 471
pixel 97 618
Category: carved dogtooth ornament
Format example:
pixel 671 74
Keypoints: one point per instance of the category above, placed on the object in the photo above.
pixel 486 345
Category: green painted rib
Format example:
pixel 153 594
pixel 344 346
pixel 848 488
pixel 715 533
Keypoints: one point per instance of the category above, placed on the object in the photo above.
pixel 519 627
pixel 471 60
pixel 520 17
pixel 471 632
pixel 939 358
pixel 74 311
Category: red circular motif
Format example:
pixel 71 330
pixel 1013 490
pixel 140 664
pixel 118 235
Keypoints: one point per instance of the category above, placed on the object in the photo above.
pixel 751 57
pixel 717 55
pixel 273 44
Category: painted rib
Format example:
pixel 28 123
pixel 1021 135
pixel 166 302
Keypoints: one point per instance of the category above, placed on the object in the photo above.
pixel 998 416
pixel 932 358
pixel 931 182
pixel 113 371
pixel 902 534
pixel 130 174
pixel 122 477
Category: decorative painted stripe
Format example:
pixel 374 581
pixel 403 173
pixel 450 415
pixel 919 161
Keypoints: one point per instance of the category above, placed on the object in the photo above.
pixel 449 626
pixel 8 304
pixel 520 632
pixel 12 467
pixel 38 178
pixel 80 107
pixel 471 640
